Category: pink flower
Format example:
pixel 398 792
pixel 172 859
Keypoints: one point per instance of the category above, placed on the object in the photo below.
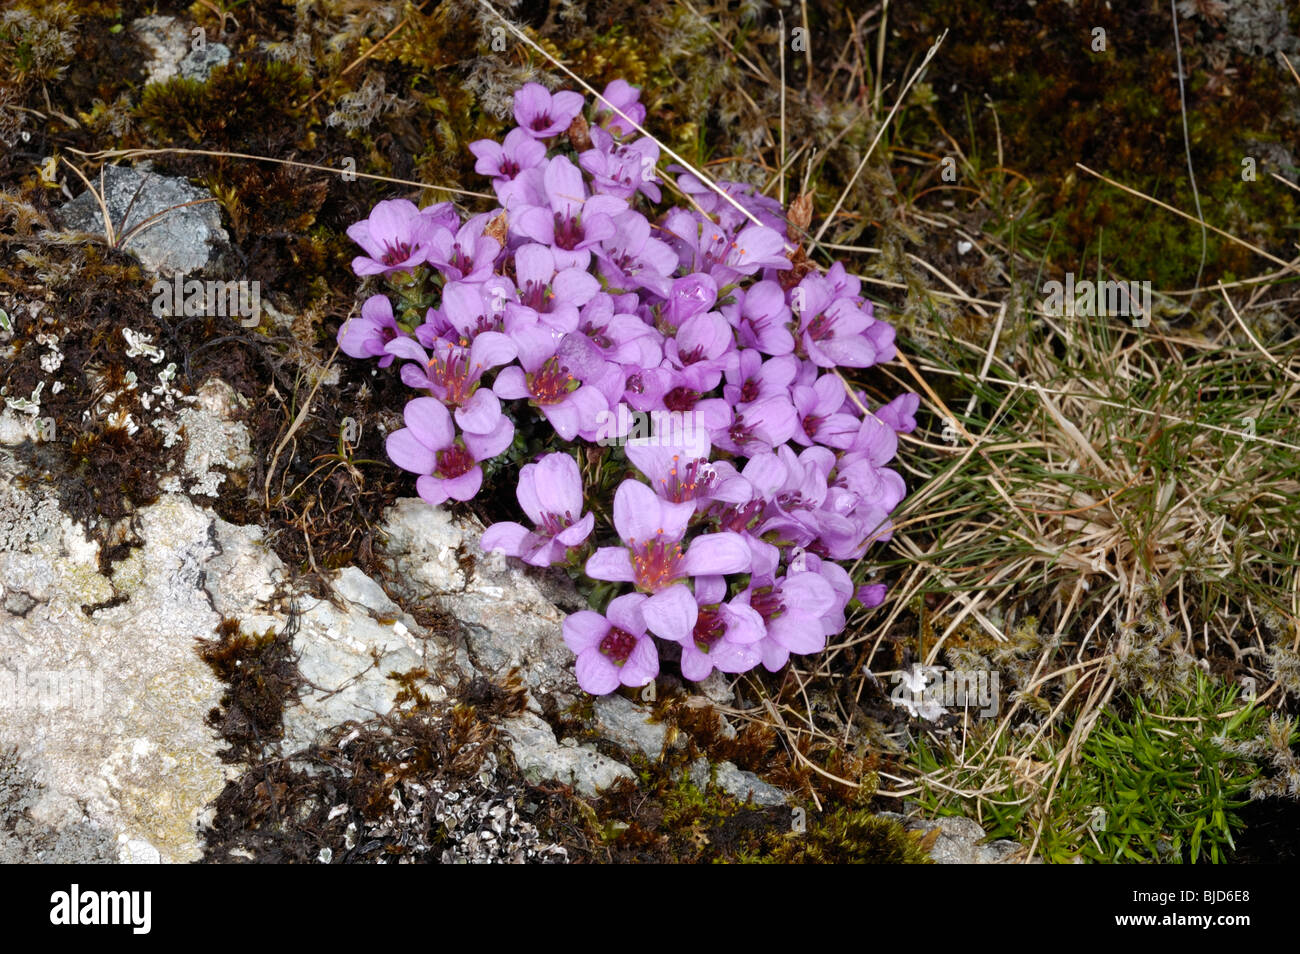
pixel 447 464
pixel 654 559
pixel 543 114
pixel 613 649
pixel 395 237
pixel 620 97
pixel 550 492
pixel 368 335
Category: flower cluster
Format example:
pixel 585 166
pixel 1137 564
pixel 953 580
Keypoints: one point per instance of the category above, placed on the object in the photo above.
pixel 692 351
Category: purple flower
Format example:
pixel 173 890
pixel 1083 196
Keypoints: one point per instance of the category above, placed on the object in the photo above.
pixel 680 471
pixel 571 406
pixel 447 464
pixel 613 649
pixel 723 636
pixel 793 609
pixel 758 427
pixel 833 331
pixel 620 97
pixel 621 170
pixel 550 492
pixel 555 295
pixel 750 378
pixel 394 237
pixel 820 417
pixel 706 247
pixel 767 210
pixel 631 259
pixel 453 373
pixel 870 595
pixel 542 114
pixel 569 222
pixel 653 558
pixel 621 338
pixel 443 215
pixel 690 295
pixel 762 319
pixel 365 336
pixel 679 392
pixel 701 345
pixel 467 256
pixel 900 413
pixel 505 160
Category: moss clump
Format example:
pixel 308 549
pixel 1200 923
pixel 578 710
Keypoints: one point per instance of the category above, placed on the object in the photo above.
pixel 245 107
pixel 848 835
pixel 261 678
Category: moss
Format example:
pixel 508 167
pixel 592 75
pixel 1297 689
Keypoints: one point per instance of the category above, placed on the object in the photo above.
pixel 261 679
pixel 848 835
pixel 1058 103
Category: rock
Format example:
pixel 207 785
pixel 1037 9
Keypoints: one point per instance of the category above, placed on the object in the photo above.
pixel 167 41
pixel 959 841
pixel 732 780
pixel 344 653
pixel 182 238
pixel 198 63
pixel 508 622
pixel 1259 27
pixel 214 443
pixel 717 688
pixel 625 723
pixel 24 841
pixel 105 702
pixel 541 758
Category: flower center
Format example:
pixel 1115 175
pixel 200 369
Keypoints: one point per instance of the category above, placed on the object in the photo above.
pixel 681 398
pixel 454 462
pixel 554 524
pixel 709 628
pixel 740 432
pixel 821 327
pixel 618 645
pixel 568 232
pixel 396 254
pixel 685 481
pixel 657 564
pixel 598 336
pixel 452 372
pixel 552 382
pixel 737 519
pixel 749 391
pixel 766 602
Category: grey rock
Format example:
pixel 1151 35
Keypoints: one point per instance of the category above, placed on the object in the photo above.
pixel 25 841
pixel 105 708
pixel 197 64
pixel 344 653
pixel 961 841
pixel 541 758
pixel 181 238
pixel 717 688
pixel 625 723
pixel 355 587
pixel 734 781
pixel 167 39
pixel 507 620
pixel 1260 27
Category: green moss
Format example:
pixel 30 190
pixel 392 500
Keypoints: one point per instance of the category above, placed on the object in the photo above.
pixel 852 836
